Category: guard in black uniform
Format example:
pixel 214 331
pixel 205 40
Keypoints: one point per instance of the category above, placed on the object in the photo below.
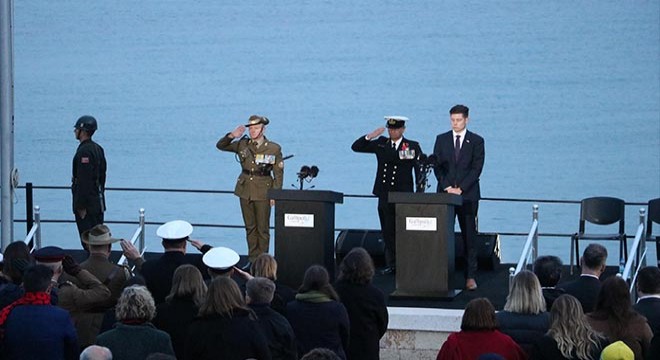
pixel 398 158
pixel 88 178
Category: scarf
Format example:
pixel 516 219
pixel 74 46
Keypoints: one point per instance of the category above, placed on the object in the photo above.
pixel 30 298
pixel 313 296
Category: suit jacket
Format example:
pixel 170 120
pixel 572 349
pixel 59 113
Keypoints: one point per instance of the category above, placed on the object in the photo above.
pixel 650 308
pixel 585 289
pixel 463 173
pixel 395 169
pixel 158 272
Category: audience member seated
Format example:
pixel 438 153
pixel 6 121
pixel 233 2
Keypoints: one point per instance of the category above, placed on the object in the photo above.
pixel 321 354
pixel 586 287
pixel 181 306
pixel 524 317
pixel 364 303
pixel 548 270
pixel 220 261
pixel 226 328
pixel 32 327
pixel 615 318
pixel 479 336
pixel 276 328
pixel 266 266
pixel 617 351
pixel 158 272
pixel 95 352
pixel 16 258
pixel 135 337
pixel 316 315
pixel 570 336
pixel 648 290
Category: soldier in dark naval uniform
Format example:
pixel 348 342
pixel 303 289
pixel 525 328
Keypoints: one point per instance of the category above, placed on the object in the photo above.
pixel 398 158
pixel 262 169
pixel 88 178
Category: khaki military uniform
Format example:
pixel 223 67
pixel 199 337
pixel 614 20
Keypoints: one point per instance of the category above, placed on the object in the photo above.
pixel 262 169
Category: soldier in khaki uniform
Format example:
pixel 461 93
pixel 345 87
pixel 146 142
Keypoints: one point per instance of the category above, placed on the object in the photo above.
pixel 262 169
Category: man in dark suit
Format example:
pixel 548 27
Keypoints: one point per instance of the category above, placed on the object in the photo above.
pixel 648 290
pixel 460 158
pixel 398 159
pixel 587 286
pixel 548 270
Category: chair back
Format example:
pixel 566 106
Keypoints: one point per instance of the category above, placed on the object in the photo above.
pixel 652 216
pixel 603 210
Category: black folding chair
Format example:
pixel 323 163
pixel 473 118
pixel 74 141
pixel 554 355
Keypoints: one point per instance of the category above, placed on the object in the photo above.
pixel 653 216
pixel 601 211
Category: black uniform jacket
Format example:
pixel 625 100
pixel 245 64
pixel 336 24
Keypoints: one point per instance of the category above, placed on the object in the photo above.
pixel 88 177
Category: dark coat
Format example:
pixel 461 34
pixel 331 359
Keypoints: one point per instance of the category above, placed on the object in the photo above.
pixel 368 317
pixel 464 173
pixel 546 348
pixel 283 295
pixel 524 329
pixel 229 338
pixel 158 272
pixel 585 289
pixel 550 295
pixel 278 331
pixel 319 324
pixel 135 342
pixel 88 177
pixel 650 308
pixel 394 173
pixel 174 317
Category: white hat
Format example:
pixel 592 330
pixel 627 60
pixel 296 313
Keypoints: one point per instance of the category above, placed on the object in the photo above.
pixel 174 230
pixel 1 257
pixel 396 117
pixel 220 258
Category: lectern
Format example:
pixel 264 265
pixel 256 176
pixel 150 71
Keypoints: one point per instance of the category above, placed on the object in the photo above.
pixel 424 244
pixel 304 232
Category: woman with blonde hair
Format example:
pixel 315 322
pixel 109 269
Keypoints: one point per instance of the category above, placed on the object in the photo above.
pixel 134 337
pixel 524 317
pixel 175 315
pixel 570 336
pixel 226 327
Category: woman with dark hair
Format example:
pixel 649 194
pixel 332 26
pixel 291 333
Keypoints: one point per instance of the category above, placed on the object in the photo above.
pixel 317 317
pixel 365 304
pixel 524 317
pixel 615 318
pixel 181 306
pixel 479 336
pixel 16 258
pixel 570 336
pixel 226 327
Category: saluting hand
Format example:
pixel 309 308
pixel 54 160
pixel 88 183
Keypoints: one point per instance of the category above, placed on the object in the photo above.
pixel 238 132
pixel 376 133
pixel 130 251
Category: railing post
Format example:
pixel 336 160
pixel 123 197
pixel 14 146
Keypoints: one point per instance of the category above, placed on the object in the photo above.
pixel 141 242
pixel 37 235
pixel 28 207
pixel 535 245
pixel 512 272
pixel 641 249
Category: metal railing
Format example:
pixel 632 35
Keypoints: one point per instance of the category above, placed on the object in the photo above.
pixel 33 237
pixel 638 260
pixel 138 237
pixel 530 249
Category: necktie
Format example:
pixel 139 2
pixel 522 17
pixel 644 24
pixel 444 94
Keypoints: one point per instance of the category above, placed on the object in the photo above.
pixel 457 147
pixel 393 145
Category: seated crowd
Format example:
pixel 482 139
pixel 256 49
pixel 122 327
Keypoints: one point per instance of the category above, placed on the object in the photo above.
pixel 54 308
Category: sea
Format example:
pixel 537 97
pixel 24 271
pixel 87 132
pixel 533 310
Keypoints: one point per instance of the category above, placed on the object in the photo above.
pixel 565 93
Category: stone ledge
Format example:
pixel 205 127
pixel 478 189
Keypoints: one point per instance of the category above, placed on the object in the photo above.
pixel 423 319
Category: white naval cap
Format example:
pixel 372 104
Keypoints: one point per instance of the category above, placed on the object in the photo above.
pixel 396 117
pixel 174 230
pixel 220 258
pixel 396 121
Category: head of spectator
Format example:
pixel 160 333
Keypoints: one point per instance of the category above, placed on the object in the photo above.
pixel 525 296
pixel 175 234
pixel 99 240
pixel 220 261
pixel 16 258
pixel 593 259
pixel 37 278
pixel 321 354
pixel 187 282
pixel 479 315
pixel 135 305
pixel 357 267
pixel 95 352
pixel 50 256
pixel 617 351
pixel 265 265
pixel 648 281
pixel 259 290
pixel 317 279
pixel 548 270
pixel 614 304
pixel 571 330
pixel 223 298
pixel 491 356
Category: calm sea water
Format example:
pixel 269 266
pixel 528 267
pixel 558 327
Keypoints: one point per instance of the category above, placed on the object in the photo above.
pixel 566 94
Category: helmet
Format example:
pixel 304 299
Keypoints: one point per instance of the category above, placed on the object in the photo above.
pixel 87 123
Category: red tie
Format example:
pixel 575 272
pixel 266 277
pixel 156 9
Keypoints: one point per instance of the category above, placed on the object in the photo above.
pixel 457 147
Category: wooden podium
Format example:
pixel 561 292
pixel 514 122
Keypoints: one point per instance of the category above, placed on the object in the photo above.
pixel 304 232
pixel 424 244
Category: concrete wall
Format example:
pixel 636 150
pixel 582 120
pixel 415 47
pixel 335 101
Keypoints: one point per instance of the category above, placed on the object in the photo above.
pixel 417 333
